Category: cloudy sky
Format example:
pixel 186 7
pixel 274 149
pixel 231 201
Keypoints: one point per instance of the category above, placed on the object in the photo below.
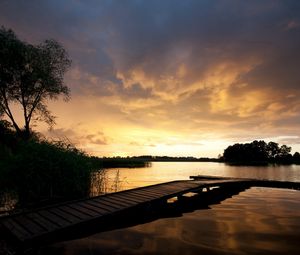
pixel 170 77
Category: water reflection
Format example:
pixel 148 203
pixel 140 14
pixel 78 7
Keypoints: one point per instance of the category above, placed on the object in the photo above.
pixel 153 212
pixel 104 181
pixel 159 172
pixel 257 221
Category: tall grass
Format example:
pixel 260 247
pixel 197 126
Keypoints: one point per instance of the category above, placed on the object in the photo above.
pixel 103 182
pixel 43 171
pixel 36 172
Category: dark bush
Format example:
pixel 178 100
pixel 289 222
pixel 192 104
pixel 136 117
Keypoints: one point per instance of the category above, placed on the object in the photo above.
pixel 42 171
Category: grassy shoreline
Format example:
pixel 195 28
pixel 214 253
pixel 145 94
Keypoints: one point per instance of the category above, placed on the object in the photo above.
pixel 37 171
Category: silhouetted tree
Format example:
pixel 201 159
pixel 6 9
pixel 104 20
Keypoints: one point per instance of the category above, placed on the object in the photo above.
pixel 296 158
pixel 284 151
pixel 273 150
pixel 284 156
pixel 29 76
pixel 258 152
pixel 249 152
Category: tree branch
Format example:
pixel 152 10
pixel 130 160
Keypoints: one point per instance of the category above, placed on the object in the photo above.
pixel 35 103
pixel 8 111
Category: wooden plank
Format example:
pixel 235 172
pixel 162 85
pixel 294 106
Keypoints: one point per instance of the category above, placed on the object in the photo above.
pixel 119 202
pixel 104 202
pixel 54 218
pixel 209 177
pixel 101 208
pixel 73 209
pixel 164 194
pixel 75 212
pixel 33 224
pixel 151 193
pixel 171 190
pixel 87 209
pixel 46 224
pixel 167 188
pixel 15 229
pixel 186 189
pixel 185 183
pixel 109 209
pixel 134 198
pixel 29 225
pixel 169 184
pixel 67 216
pixel 150 190
pixel 140 194
pixel 161 193
pixel 188 186
pixel 181 185
pixel 125 197
pixel 96 209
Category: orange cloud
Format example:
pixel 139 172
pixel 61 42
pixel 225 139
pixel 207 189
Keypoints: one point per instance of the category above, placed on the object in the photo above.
pixel 170 80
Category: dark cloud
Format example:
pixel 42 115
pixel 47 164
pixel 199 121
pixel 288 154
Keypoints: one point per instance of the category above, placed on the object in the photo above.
pixel 61 132
pixel 202 66
pixel 98 138
pixel 156 36
pixel 93 138
pixel 136 91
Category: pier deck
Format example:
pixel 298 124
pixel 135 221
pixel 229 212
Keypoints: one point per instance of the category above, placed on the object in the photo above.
pixel 29 227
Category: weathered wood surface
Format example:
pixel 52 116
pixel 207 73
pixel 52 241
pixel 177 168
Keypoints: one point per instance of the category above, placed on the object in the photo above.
pixel 45 221
pixel 42 223
pixel 253 182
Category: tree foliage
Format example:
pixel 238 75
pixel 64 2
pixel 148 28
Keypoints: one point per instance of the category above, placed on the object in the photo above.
pixel 296 158
pixel 29 76
pixel 258 152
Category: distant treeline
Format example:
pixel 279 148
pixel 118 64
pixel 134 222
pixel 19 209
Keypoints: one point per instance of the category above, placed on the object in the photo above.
pixel 119 162
pixel 148 158
pixel 260 153
pixel 178 159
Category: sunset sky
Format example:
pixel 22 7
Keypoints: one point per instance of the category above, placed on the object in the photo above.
pixel 170 77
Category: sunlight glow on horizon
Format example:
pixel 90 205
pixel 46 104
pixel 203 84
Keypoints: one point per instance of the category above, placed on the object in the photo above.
pixel 170 80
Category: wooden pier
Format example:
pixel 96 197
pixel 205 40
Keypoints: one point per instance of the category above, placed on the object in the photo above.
pixel 30 227
pixel 252 182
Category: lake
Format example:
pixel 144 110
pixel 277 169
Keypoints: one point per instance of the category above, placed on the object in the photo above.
pixel 256 221
pixel 116 179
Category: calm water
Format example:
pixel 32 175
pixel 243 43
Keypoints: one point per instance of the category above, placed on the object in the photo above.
pixel 256 221
pixel 126 178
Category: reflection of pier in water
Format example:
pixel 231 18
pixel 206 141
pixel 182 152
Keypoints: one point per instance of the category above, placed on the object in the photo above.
pixel 122 209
